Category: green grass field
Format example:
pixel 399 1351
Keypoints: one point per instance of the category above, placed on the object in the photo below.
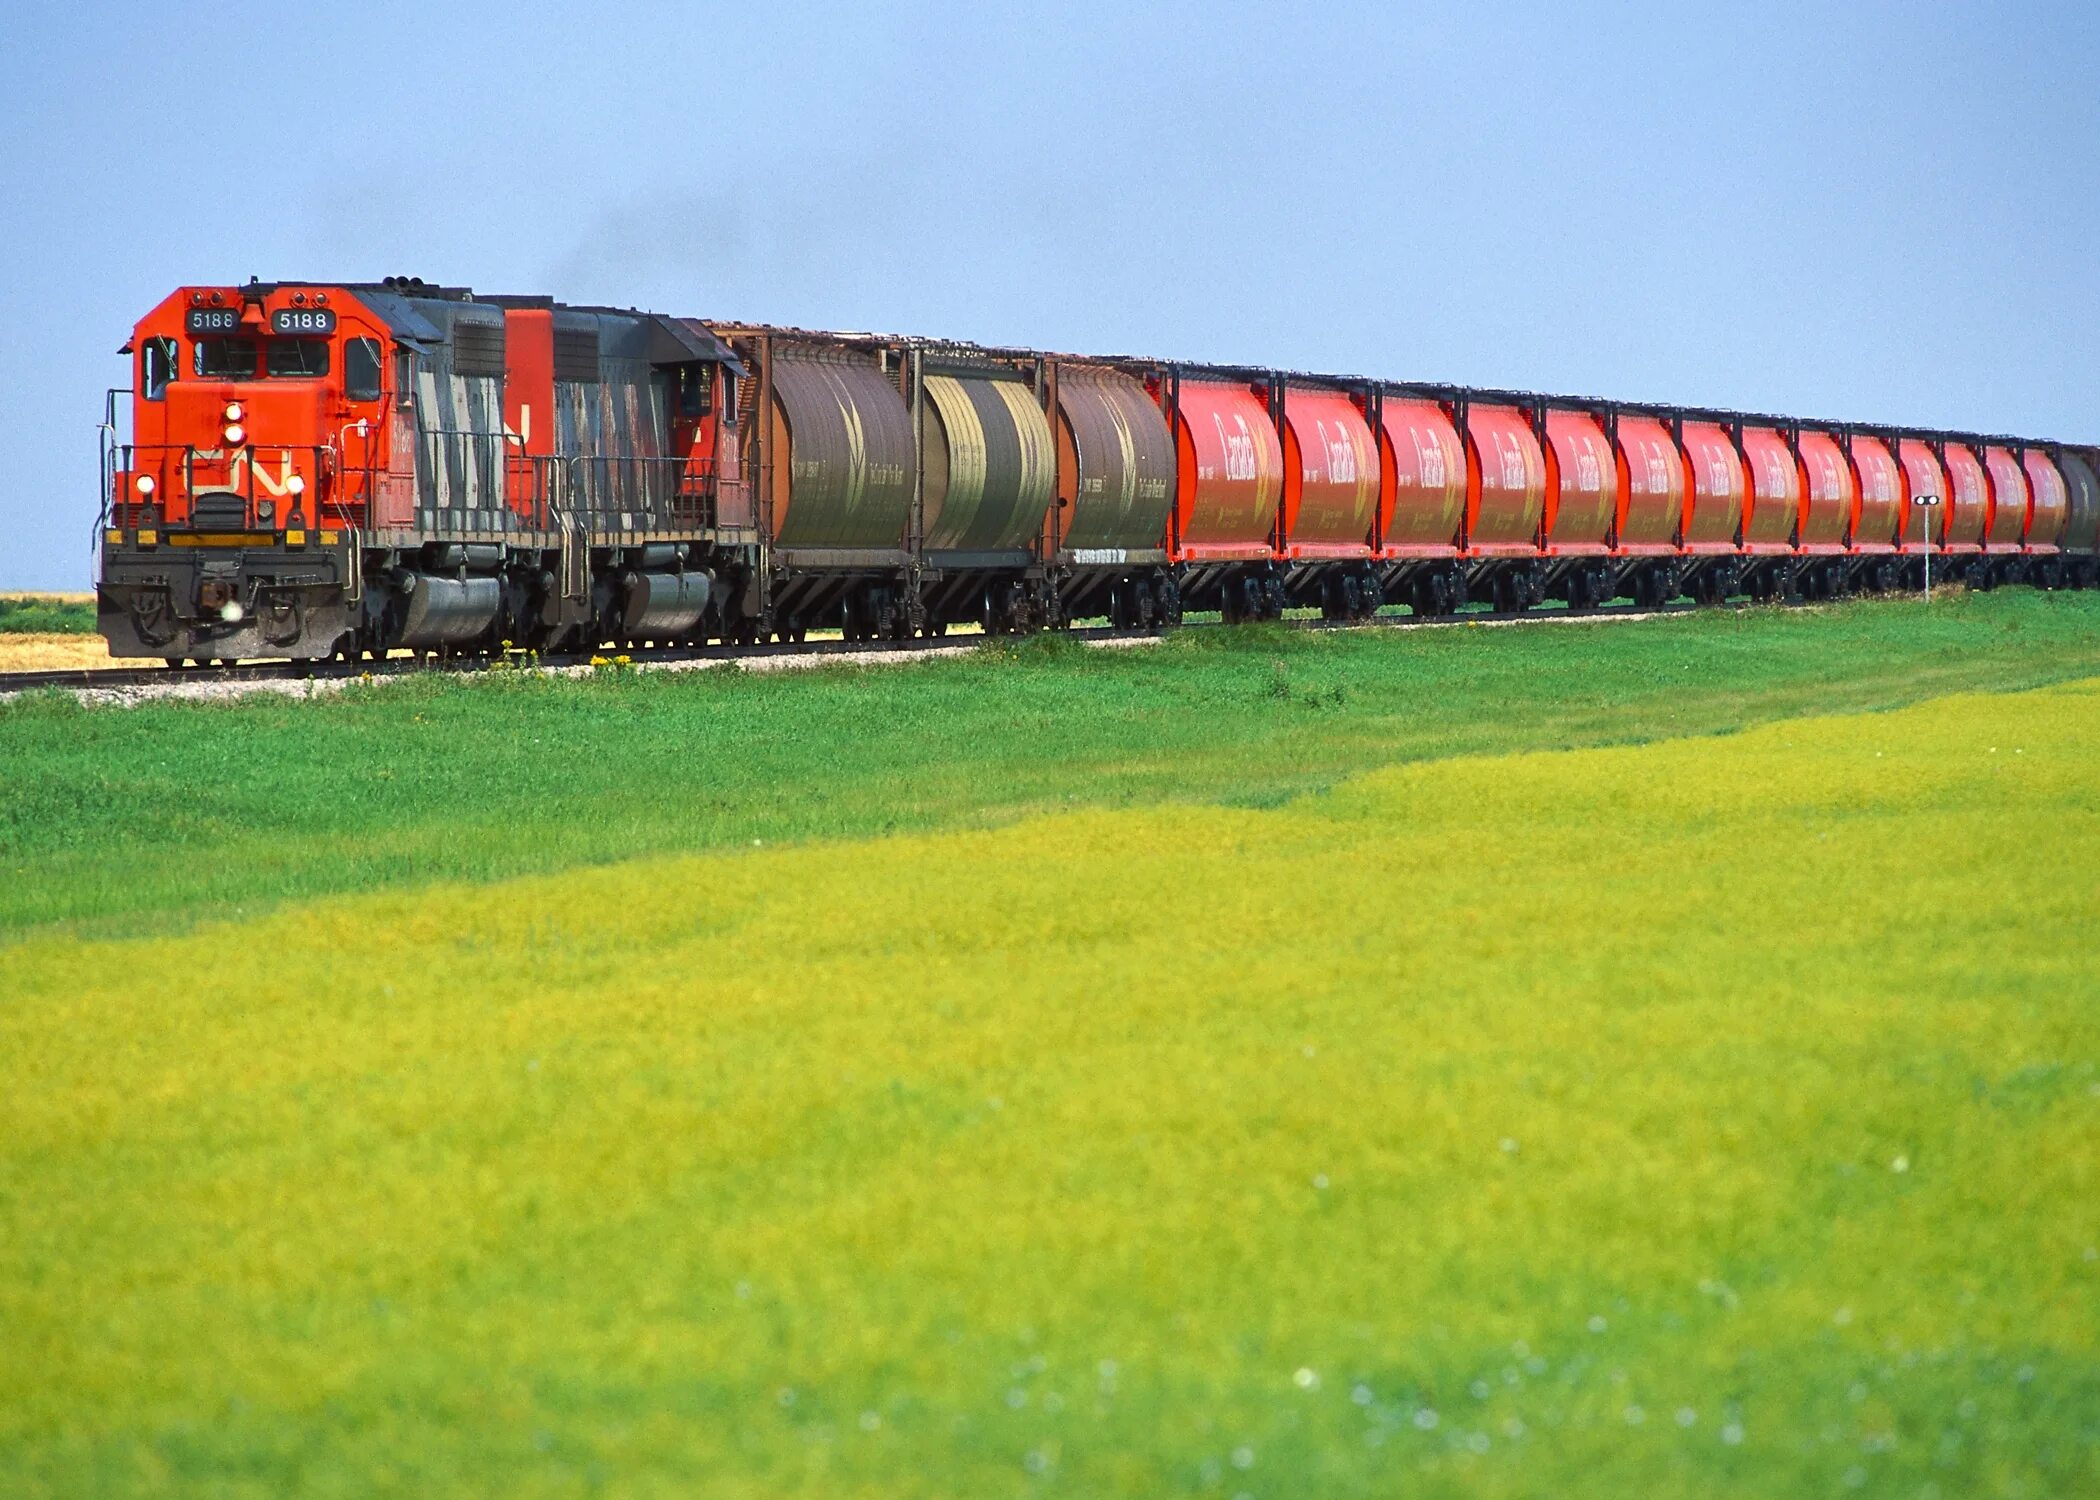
pixel 160 814
pixel 1615 1061
pixel 45 614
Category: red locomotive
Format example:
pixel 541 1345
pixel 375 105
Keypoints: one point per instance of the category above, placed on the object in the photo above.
pixel 319 470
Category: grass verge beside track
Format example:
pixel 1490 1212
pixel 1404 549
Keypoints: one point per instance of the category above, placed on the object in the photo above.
pixel 1710 1117
pixel 151 816
pixel 47 614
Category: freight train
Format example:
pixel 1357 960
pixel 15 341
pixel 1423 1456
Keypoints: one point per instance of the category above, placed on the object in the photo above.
pixel 309 470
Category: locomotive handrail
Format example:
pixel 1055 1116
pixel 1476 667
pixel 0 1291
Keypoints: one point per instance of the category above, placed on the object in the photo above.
pixel 667 490
pixel 483 478
pixel 247 458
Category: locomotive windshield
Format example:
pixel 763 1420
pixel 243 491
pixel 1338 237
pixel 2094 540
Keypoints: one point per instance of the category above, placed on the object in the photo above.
pixel 225 359
pixel 282 359
pixel 305 359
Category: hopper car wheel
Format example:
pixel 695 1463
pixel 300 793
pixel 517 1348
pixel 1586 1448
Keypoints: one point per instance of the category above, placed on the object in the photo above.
pixel 1169 601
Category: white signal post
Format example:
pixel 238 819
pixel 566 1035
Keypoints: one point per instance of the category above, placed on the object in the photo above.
pixel 1925 503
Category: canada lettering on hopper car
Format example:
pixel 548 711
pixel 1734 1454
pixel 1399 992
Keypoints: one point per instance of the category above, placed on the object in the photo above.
pixel 1240 462
pixel 1429 460
pixel 1341 454
pixel 1658 467
pixel 1514 470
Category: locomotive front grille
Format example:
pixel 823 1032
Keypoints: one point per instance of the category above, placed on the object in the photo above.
pixel 221 509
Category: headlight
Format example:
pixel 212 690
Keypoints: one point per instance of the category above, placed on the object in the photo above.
pixel 297 485
pixel 236 434
pixel 143 484
pixel 233 411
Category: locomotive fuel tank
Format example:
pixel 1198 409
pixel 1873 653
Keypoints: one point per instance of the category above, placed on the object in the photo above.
pixel 658 605
pixel 440 612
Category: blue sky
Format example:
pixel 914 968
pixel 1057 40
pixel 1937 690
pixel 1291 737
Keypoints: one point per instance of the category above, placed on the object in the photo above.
pixel 1881 212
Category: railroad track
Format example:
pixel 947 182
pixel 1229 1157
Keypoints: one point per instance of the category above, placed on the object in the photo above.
pixel 335 671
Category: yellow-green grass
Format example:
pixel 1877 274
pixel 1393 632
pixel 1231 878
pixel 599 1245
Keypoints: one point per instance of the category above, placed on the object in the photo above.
pixel 1714 1117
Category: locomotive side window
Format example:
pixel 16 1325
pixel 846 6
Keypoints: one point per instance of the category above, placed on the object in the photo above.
pixel 297 358
pixel 226 359
pixel 158 363
pixel 361 369
pixel 695 390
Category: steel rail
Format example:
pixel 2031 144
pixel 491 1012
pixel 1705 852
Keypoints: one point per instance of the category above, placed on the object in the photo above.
pixel 331 670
